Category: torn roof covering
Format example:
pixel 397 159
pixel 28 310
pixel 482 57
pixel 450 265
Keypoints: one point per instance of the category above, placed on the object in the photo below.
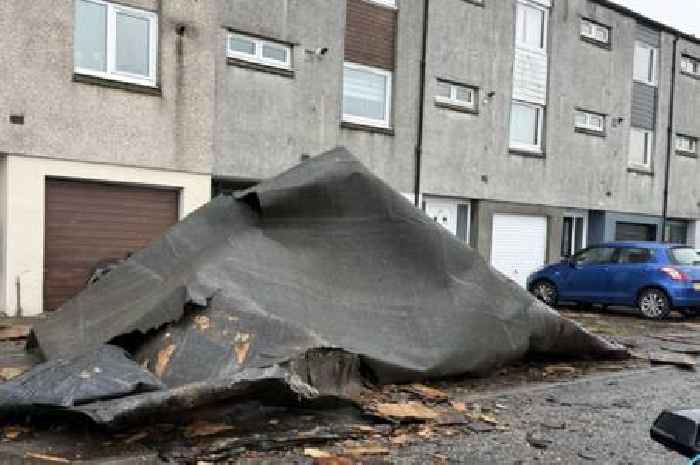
pixel 324 256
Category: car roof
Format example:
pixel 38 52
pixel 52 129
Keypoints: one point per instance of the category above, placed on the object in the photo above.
pixel 643 244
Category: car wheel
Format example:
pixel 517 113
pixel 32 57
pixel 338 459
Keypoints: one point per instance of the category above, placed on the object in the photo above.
pixel 654 304
pixel 546 292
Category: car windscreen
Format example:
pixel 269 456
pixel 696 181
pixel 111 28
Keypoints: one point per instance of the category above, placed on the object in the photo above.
pixel 684 256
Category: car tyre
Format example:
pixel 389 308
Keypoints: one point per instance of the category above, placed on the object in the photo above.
pixel 654 304
pixel 546 292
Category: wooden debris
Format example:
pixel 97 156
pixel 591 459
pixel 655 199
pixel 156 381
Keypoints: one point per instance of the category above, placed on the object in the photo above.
pixel 666 358
pixel 136 437
pixel 163 359
pixel 428 393
pixel 7 373
pixel 356 451
pixel 480 427
pixel 406 411
pixel 333 461
pixel 12 432
pixel 241 346
pixel 400 440
pixel 205 428
pixel 46 457
pixel 202 322
pixel 459 406
pixel 488 419
pixel 317 453
pixel 559 370
pixel 14 332
pixel 451 419
pixel 695 351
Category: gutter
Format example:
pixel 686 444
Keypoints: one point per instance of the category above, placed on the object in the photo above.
pixel 670 141
pixel 421 107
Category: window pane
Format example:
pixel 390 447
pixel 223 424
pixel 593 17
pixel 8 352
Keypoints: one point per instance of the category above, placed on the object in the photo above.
pixel 578 234
pixel 364 94
pixel 274 52
pixel 90 36
pixel 637 147
pixel 523 124
pixel 242 45
pixel 596 122
pixel 581 119
pixel 534 22
pixel 642 63
pixel 444 89
pixel 463 94
pixel 133 44
pixel 566 236
pixel 586 28
pixel 601 34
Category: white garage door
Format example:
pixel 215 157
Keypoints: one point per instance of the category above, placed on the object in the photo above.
pixel 519 245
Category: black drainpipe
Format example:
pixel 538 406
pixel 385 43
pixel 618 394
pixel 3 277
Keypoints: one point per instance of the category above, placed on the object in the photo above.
pixel 421 106
pixel 669 152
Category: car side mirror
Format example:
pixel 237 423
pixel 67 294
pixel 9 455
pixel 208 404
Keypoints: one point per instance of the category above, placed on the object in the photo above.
pixel 678 431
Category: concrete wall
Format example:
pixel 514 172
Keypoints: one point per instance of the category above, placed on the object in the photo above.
pixel 25 213
pixel 482 224
pixel 78 121
pixel 265 122
pixel 684 192
pixel 467 155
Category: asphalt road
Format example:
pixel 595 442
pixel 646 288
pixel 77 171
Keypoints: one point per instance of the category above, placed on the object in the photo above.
pixel 604 419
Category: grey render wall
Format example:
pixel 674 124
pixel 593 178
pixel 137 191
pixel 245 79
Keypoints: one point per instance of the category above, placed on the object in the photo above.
pixel 76 121
pixel 475 45
pixel 684 184
pixel 265 122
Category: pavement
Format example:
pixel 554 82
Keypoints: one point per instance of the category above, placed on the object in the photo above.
pixel 534 412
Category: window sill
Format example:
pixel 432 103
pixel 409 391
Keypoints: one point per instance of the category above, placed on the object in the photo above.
pixel 591 132
pixel 476 2
pixel 367 128
pixel 604 45
pixel 682 153
pixel 690 75
pixel 113 84
pixel 640 170
pixel 289 73
pixel 455 107
pixel 526 153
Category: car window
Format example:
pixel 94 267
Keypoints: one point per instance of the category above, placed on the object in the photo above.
pixel 635 255
pixel 684 256
pixel 594 256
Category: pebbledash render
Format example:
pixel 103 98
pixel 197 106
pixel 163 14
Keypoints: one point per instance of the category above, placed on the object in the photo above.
pixel 545 125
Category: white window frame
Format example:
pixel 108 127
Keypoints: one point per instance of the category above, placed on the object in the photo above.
pixel 588 126
pixel 690 65
pixel 692 141
pixel 536 148
pixel 594 28
pixel 111 72
pixel 654 63
pixel 545 26
pixel 386 3
pixel 388 76
pixel 258 57
pixel 453 100
pixel 649 146
pixel 574 217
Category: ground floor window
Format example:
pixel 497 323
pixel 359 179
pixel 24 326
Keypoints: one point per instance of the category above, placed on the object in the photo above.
pixel 573 235
pixel 677 232
pixel 635 231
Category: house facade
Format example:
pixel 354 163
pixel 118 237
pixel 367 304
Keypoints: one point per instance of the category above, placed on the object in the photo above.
pixel 528 128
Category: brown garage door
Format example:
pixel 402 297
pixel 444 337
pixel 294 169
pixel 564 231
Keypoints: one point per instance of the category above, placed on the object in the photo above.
pixel 88 223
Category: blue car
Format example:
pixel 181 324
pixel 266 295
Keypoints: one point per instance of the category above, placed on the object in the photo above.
pixel 651 276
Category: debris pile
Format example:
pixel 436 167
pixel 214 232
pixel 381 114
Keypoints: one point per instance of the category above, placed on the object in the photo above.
pixel 302 287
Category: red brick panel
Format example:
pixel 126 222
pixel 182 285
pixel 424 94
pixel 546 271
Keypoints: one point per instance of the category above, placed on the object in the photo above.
pixel 370 34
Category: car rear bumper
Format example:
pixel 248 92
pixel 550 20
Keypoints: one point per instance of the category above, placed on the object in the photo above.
pixel 685 296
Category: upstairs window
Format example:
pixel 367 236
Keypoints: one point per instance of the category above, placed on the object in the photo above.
pixel 115 42
pixel 456 95
pixel 589 121
pixel 690 65
pixel 260 51
pixel 531 26
pixel 686 145
pixel 366 95
pixel 645 63
pixel 641 148
pixel 595 32
pixel 526 126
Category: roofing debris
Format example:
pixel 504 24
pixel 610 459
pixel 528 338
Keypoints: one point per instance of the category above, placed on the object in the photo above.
pixel 306 286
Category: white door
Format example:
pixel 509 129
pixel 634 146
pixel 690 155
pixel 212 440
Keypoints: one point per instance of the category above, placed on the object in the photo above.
pixel 518 245
pixel 443 212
